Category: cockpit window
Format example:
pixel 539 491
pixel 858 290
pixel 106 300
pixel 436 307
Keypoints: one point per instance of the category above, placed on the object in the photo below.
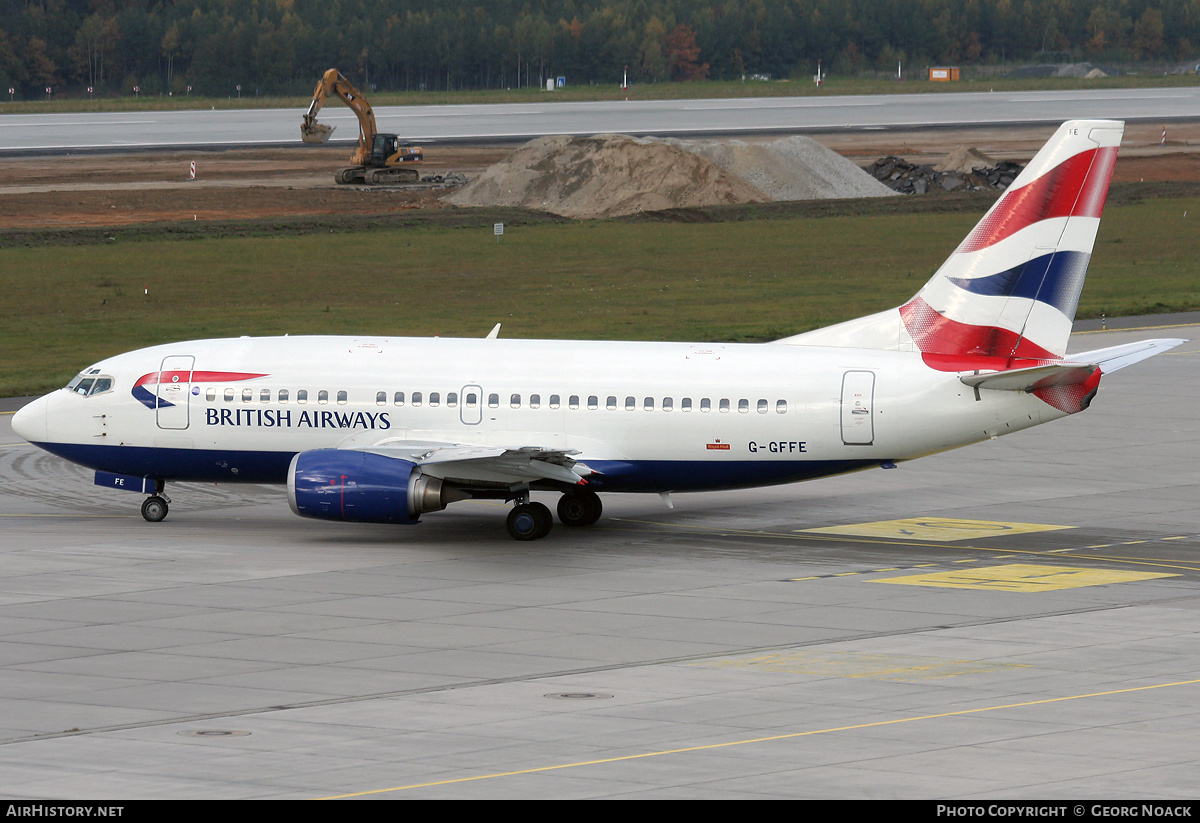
pixel 86 383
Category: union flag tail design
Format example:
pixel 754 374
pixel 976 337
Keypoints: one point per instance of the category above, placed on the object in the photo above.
pixel 1009 291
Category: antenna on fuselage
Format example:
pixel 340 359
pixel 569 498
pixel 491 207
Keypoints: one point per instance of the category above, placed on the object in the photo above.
pixel 494 333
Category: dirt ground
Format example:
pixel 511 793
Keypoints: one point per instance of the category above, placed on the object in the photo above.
pixel 127 188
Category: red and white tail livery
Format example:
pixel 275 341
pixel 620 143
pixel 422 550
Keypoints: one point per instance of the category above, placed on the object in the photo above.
pixel 386 429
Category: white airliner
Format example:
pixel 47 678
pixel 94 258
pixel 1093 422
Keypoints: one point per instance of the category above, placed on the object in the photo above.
pixel 383 430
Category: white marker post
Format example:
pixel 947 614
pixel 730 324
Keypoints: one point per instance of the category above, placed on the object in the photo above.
pixel 192 170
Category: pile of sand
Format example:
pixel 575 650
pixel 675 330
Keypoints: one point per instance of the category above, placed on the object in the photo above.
pixel 792 168
pixel 964 159
pixel 614 174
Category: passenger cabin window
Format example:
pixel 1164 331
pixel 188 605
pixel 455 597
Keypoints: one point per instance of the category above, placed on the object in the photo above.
pixel 493 401
pixel 724 405
pixel 781 406
pixel 668 403
pixel 341 397
pixel 229 395
pixel 435 398
pixel 762 406
pixel 247 395
pixel 322 396
pixel 535 401
pixel 380 398
pixel 398 398
pixel 685 404
pixel 515 401
pixel 452 399
pixel 302 396
pixel 470 400
pixel 210 394
pixel 743 406
pixel 573 402
pixel 611 404
pixel 648 404
pixel 554 401
pixel 264 396
pixel 705 404
pixel 283 395
pixel 416 398
pixel 593 401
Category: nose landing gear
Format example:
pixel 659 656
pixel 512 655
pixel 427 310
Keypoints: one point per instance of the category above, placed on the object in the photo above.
pixel 156 506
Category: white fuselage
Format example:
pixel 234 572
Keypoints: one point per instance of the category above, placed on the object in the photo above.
pixel 645 416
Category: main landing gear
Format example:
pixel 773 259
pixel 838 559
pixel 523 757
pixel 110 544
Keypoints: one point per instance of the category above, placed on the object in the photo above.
pixel 532 521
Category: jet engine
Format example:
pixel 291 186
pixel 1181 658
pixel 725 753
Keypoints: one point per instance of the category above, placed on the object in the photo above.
pixel 363 487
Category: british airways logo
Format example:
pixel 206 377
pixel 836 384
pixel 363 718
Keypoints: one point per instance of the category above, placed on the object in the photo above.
pixel 155 398
pixel 281 418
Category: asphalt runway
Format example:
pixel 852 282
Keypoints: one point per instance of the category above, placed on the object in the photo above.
pixel 100 131
pixel 720 649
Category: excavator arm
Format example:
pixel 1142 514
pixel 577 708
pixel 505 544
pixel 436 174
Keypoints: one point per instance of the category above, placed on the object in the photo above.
pixel 332 83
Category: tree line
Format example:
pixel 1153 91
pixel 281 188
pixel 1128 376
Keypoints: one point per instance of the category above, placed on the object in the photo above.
pixel 211 47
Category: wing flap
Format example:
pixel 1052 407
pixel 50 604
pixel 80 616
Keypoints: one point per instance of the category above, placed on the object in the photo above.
pixel 466 463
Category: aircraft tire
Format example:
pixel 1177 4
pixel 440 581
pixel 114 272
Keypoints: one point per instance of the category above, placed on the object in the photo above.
pixel 529 521
pixel 154 509
pixel 579 508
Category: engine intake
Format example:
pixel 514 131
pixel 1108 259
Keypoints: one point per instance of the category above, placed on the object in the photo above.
pixel 363 487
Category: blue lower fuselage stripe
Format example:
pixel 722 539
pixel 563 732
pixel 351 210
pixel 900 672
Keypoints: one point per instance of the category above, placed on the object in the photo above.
pixel 207 465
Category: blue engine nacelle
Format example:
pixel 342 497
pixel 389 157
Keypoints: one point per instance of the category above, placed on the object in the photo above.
pixel 361 487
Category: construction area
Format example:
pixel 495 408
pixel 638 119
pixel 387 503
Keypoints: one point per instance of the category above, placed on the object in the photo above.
pixel 592 177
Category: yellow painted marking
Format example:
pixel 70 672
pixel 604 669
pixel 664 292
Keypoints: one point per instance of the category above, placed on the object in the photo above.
pixel 750 741
pixel 1138 328
pixel 1022 577
pixel 799 535
pixel 940 529
pixel 11 514
pixel 904 668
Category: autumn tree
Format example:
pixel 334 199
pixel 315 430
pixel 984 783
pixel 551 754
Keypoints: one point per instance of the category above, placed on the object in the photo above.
pixel 683 55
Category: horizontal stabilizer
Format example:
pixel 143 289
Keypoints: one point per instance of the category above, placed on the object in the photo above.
pixel 1078 370
pixel 1118 357
pixel 1036 377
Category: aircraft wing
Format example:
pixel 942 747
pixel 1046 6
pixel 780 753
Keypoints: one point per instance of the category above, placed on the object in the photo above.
pixel 491 465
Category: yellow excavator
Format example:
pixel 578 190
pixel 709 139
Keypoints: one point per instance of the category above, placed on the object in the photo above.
pixel 379 158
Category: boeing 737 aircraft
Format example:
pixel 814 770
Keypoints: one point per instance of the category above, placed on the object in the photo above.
pixel 383 430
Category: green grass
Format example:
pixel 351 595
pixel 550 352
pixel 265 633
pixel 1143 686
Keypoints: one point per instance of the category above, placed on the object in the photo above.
pixel 833 86
pixel 69 305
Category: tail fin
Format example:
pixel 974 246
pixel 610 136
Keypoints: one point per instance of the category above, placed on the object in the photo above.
pixel 1011 287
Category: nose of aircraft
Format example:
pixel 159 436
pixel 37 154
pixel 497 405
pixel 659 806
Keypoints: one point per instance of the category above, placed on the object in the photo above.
pixel 30 420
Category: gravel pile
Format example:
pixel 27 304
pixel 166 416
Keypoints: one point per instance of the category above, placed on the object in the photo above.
pixel 614 174
pixel 792 168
